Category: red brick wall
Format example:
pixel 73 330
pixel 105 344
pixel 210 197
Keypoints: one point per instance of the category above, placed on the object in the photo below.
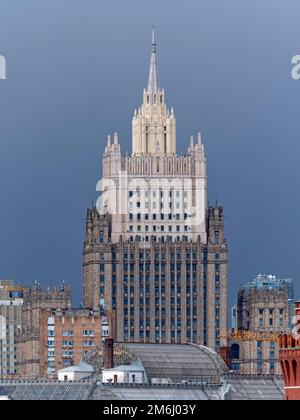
pixel 78 326
pixel 290 363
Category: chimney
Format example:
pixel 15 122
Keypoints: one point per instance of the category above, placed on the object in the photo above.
pixel 109 353
pixel 225 354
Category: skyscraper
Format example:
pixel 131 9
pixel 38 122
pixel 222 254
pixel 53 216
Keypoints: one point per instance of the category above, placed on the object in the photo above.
pixel 155 256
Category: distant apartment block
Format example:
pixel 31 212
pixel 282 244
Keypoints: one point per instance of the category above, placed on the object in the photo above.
pixel 11 301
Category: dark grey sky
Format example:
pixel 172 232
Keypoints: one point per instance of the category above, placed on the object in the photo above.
pixel 75 72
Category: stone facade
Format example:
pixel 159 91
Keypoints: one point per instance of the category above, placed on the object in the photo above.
pixel 263 313
pixel 263 308
pixel 32 351
pixel 254 353
pixel 155 256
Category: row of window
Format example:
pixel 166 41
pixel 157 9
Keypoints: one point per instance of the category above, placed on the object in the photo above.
pixel 159 228
pixel 85 333
pixel 154 205
pixel 163 256
pixel 156 216
pixel 271 311
pixel 271 322
pixel 157 239
pixel 161 194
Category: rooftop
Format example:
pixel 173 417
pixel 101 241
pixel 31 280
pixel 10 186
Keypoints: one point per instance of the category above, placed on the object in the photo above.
pixel 233 387
pixel 178 362
pixel 81 367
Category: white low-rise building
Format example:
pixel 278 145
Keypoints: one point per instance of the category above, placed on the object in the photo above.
pixel 125 374
pixel 75 373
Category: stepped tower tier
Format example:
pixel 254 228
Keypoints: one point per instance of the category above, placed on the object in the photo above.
pixel 153 125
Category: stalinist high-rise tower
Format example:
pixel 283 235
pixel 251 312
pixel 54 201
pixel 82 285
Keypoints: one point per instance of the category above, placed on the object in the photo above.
pixel 155 257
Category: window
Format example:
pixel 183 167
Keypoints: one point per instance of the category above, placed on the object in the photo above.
pixel 235 366
pixel 65 333
pixel 217 237
pixel 85 333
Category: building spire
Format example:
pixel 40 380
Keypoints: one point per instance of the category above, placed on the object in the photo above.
pixel 153 73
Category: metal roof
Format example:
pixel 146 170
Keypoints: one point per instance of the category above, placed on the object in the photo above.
pixel 179 362
pixel 234 387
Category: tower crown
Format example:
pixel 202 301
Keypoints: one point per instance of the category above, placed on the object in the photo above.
pixel 153 126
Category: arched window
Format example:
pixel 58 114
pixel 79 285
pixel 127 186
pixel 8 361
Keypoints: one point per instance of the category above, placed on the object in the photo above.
pixel 235 351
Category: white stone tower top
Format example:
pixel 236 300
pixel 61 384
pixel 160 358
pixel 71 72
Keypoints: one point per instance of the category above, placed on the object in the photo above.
pixel 153 125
